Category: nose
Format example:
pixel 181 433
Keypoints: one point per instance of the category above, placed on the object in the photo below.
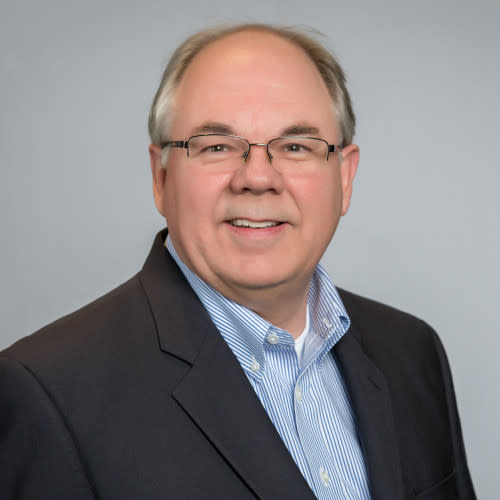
pixel 257 174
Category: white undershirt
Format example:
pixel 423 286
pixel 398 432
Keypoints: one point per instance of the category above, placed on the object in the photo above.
pixel 300 341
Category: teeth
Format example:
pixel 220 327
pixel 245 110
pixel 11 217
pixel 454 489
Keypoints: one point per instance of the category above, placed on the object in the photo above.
pixel 253 224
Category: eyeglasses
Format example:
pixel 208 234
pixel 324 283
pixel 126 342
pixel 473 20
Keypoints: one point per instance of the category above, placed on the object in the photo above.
pixel 282 152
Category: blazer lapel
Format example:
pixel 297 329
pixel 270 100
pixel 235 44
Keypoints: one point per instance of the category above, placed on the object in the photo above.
pixel 215 391
pixel 220 400
pixel 371 402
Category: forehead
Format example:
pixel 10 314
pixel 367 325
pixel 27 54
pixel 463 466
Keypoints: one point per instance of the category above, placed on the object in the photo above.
pixel 256 83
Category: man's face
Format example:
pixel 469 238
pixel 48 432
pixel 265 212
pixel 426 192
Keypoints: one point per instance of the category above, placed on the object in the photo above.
pixel 257 86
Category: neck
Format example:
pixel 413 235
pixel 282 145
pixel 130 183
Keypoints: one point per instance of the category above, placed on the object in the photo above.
pixel 285 309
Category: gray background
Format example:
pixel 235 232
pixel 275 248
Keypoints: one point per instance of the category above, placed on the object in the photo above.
pixel 76 210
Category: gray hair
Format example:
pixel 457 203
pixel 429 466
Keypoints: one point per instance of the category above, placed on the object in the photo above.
pixel 328 67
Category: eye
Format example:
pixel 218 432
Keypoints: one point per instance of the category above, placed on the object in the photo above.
pixel 294 148
pixel 212 147
pixel 217 148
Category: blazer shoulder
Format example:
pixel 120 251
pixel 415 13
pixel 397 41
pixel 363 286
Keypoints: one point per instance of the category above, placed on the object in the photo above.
pixel 372 310
pixel 94 327
pixel 379 326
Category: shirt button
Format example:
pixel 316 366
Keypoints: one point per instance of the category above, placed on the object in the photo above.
pixel 255 366
pixel 298 394
pixel 325 478
pixel 327 322
pixel 272 338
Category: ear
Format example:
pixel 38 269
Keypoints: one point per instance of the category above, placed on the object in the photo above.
pixel 348 167
pixel 159 173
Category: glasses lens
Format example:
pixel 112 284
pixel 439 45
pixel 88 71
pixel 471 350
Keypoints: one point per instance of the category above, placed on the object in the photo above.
pixel 213 148
pixel 298 149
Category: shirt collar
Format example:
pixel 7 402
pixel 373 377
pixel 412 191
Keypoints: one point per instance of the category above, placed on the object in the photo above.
pixel 249 335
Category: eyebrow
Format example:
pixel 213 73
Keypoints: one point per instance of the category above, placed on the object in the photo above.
pixel 213 128
pixel 299 129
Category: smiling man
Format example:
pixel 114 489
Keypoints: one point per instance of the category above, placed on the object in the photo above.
pixel 230 366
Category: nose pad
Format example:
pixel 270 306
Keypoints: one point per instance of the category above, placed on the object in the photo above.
pixel 246 154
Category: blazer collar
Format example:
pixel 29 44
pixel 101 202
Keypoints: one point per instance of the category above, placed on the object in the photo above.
pixel 215 392
pixel 182 323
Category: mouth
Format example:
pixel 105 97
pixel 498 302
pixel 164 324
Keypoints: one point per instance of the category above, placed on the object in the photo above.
pixel 254 224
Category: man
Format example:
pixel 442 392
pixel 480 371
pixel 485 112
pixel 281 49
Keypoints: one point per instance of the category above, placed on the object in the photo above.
pixel 230 366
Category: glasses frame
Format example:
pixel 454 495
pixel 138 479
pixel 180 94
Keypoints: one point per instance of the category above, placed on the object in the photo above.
pixel 331 148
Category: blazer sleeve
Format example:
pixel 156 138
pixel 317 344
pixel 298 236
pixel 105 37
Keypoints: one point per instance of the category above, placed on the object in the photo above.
pixel 463 479
pixel 38 457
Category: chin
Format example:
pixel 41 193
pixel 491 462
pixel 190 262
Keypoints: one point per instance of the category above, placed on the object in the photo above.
pixel 262 279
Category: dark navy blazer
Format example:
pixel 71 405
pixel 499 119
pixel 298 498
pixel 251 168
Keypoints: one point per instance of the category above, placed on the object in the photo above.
pixel 137 396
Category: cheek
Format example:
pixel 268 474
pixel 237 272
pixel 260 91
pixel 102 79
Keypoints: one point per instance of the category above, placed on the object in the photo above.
pixel 191 197
pixel 319 198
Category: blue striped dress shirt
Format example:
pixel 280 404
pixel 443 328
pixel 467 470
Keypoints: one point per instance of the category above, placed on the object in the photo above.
pixel 306 400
